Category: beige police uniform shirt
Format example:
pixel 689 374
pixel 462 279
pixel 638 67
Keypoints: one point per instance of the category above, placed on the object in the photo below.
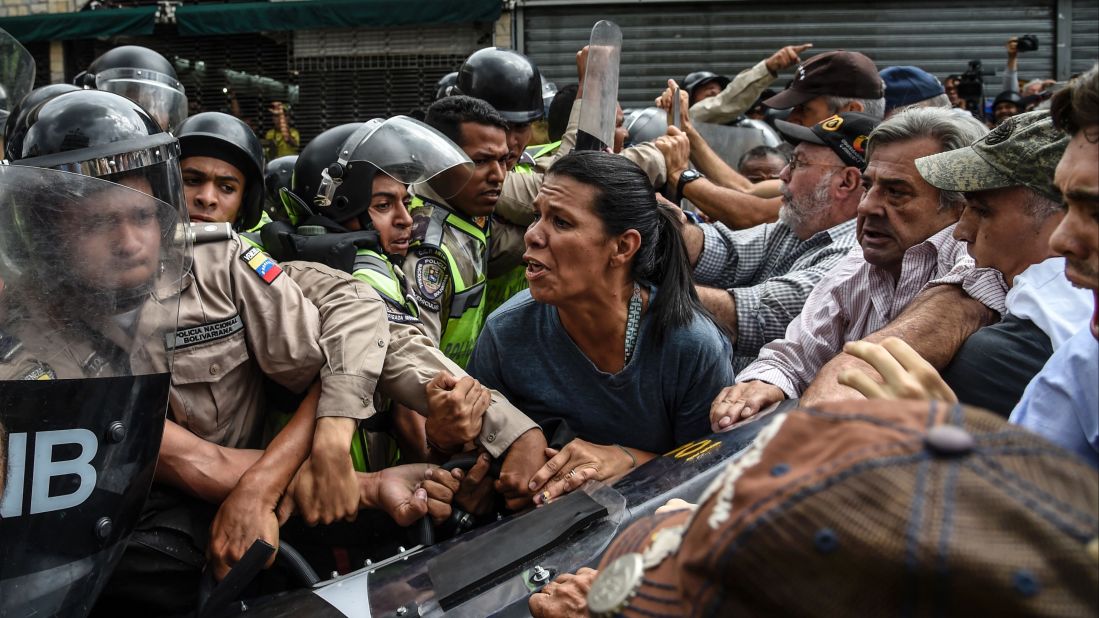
pixel 409 360
pixel 354 337
pixel 44 338
pixel 516 203
pixel 240 318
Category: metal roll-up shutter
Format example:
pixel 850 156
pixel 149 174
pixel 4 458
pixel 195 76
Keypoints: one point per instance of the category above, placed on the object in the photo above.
pixel 671 39
pixel 1085 35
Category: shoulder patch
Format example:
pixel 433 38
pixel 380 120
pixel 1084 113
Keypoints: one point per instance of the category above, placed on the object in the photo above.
pixel 186 337
pixel 431 278
pixel 398 316
pixel 40 371
pixel 264 266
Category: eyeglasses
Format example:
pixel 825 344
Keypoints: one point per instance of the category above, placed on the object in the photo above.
pixel 796 163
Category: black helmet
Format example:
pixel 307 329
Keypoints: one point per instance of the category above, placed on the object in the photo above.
pixel 695 80
pixel 278 175
pixel 142 75
pixel 225 137
pixel 101 135
pixel 22 108
pixel 322 152
pixel 335 173
pixel 444 87
pixel 508 80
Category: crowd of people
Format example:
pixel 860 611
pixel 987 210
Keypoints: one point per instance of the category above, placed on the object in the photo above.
pixel 407 290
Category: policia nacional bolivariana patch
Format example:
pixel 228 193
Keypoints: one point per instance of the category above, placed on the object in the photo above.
pixel 264 266
pixel 186 337
pixel 431 280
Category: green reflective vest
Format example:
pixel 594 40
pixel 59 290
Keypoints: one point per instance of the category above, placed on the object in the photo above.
pixel 376 269
pixel 464 247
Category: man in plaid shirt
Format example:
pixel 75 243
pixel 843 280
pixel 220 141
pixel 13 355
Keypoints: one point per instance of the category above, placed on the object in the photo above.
pixel 909 277
pixel 761 276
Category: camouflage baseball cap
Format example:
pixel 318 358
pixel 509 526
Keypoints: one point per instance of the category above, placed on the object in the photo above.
pixel 1023 151
pixel 872 508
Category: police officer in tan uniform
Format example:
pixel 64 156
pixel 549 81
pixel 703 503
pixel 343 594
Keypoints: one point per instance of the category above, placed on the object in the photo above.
pixel 456 245
pixel 235 310
pixel 398 361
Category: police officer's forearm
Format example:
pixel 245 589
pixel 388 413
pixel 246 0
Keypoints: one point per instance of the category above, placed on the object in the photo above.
pixel 735 209
pixel 412 362
pixel 722 306
pixel 275 468
pixel 200 468
pixel 935 324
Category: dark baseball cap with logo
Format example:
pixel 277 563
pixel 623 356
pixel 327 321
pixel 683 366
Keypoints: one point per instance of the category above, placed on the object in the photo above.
pixel 838 74
pixel 845 133
pixel 872 508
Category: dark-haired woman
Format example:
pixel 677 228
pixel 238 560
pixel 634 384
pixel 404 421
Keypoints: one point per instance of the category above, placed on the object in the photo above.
pixel 611 337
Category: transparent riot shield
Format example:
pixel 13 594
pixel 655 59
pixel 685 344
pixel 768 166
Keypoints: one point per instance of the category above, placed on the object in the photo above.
pixel 91 272
pixel 16 74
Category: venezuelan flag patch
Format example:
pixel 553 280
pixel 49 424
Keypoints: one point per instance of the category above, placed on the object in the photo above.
pixel 264 266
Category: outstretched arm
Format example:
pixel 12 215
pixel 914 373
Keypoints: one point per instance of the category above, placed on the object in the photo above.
pixel 935 325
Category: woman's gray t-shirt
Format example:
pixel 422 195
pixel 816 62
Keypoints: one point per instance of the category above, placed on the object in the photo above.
pixel 659 400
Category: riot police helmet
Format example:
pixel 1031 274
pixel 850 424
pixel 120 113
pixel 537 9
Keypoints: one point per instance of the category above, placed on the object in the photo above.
pixel 102 135
pixel 143 75
pixel 278 174
pixel 335 173
pixel 33 99
pixel 508 80
pixel 227 138
pixel 646 124
pixel 445 86
pixel 697 79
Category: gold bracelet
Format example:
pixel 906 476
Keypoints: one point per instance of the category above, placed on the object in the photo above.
pixel 633 460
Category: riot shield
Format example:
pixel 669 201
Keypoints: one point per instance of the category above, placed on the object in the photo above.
pixel 600 100
pixel 16 74
pixel 91 275
pixel 730 142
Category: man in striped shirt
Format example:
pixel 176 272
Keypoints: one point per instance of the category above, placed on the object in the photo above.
pixel 762 275
pixel 905 229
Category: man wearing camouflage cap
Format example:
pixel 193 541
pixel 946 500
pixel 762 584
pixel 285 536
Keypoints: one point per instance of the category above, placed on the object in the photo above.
pixel 1012 208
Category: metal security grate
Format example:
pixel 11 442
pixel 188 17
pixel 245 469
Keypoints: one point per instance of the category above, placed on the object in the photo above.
pixel 671 39
pixel 328 77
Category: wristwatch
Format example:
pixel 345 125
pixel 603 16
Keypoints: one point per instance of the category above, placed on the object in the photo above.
pixel 687 176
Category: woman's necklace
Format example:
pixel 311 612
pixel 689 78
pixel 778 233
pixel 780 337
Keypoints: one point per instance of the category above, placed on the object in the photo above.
pixel 633 321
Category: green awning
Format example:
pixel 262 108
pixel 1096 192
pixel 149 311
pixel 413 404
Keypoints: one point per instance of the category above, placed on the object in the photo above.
pixel 81 25
pixel 235 18
pixel 239 17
